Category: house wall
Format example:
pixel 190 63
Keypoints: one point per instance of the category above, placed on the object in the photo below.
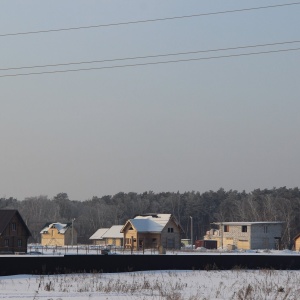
pixel 262 236
pixel 149 240
pixel 141 240
pixel 118 242
pixel 130 236
pixel 54 238
pixel 14 237
pixel 297 244
pixel 99 242
pixel 235 237
pixel 171 239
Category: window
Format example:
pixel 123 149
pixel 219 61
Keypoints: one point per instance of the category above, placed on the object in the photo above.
pixel 226 228
pixel 171 229
pixel 244 228
pixel 6 242
pixel 19 243
pixel 13 226
pixel 265 229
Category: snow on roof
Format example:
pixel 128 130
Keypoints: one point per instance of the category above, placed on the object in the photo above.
pixel 161 219
pixel 146 225
pixel 150 222
pixel 98 235
pixel 248 223
pixel 62 228
pixel 113 232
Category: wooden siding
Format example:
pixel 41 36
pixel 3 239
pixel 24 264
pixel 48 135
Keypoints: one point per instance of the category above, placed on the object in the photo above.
pixel 54 238
pixel 169 239
pixel 297 244
pixel 15 235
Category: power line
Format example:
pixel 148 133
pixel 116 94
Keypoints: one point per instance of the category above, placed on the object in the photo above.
pixel 148 56
pixel 150 63
pixel 150 20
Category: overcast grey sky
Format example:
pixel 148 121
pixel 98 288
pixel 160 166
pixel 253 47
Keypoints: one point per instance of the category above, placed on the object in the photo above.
pixel 199 125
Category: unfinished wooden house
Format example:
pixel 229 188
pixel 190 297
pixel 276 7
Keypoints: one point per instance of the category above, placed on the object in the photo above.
pixel 152 231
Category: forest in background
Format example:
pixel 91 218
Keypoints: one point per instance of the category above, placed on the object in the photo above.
pixel 277 204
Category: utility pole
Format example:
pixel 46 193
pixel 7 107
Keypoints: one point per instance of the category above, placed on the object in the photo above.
pixel 192 232
pixel 73 232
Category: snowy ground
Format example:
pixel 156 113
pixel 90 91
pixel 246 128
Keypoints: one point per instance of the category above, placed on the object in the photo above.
pixel 169 285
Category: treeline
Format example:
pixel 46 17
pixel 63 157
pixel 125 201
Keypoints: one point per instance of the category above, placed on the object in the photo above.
pixel 277 204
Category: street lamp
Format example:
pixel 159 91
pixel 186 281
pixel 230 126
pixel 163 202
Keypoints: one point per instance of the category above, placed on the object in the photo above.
pixel 192 231
pixel 73 231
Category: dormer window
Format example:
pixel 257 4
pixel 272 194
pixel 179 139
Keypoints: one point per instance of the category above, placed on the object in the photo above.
pixel 170 229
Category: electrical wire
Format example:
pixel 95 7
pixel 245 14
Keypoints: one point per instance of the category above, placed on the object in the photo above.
pixel 150 63
pixel 148 56
pixel 150 20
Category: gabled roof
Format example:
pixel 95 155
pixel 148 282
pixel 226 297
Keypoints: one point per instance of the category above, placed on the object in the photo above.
pixel 98 235
pixel 61 228
pixel 161 219
pixel 146 225
pixel 114 232
pixel 5 217
pixel 154 223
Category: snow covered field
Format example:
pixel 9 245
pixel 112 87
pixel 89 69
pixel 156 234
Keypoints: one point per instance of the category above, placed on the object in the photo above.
pixel 169 285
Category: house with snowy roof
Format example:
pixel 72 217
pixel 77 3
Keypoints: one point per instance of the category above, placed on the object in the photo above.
pixel 58 234
pixel 152 231
pixel 108 236
pixel 97 237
